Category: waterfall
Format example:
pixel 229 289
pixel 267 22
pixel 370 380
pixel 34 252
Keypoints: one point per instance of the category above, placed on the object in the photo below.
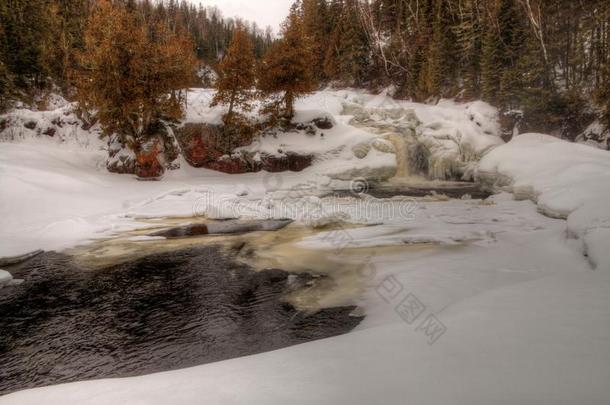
pixel 403 168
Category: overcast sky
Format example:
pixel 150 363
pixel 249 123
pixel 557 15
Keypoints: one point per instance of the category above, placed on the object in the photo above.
pixel 263 12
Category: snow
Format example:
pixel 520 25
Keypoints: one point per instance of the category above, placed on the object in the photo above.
pixel 566 180
pixel 523 318
pixel 449 138
pixel 526 321
pixel 59 125
pixel 5 278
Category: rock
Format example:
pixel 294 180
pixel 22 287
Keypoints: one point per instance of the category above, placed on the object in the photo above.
pixel 121 159
pixel 509 124
pixel 50 132
pixel 327 221
pixel 383 146
pixel 375 174
pixel 323 123
pixel 148 161
pixel 229 164
pixel 205 145
pixel 228 227
pixel 11 260
pixel 5 278
pixel 595 135
pixel 30 125
pixel 287 162
pixel 361 150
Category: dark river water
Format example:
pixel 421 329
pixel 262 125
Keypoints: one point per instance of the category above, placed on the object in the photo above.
pixel 159 313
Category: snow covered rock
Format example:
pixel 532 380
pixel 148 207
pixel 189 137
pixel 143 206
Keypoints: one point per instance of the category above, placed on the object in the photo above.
pixel 5 278
pixel 361 150
pixel 566 180
pixel 60 125
pixel 121 159
pixel 383 145
pixel 595 135
pixel 334 218
pixel 445 141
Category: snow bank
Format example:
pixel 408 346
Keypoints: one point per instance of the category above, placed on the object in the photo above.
pixel 332 148
pixel 566 180
pixel 59 125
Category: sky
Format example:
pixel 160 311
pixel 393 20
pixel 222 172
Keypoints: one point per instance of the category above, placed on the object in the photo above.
pixel 262 12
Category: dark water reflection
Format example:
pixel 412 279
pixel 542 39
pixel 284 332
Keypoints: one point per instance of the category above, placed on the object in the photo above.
pixel 159 313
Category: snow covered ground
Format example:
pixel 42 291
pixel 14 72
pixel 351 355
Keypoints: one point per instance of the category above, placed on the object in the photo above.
pixel 518 317
pixel 498 306
pixel 566 180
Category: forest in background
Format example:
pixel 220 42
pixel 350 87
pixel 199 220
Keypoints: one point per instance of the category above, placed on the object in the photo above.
pixel 544 63
pixel 40 39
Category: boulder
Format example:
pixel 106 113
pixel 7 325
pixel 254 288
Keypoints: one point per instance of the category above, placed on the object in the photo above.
pixel 149 164
pixel 383 146
pixel 121 159
pixel 361 150
pixel 206 146
pixel 323 123
pixel 202 144
pixel 286 162
pixel 229 164
pixel 5 278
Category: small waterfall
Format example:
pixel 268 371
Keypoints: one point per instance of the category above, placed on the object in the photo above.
pixel 403 168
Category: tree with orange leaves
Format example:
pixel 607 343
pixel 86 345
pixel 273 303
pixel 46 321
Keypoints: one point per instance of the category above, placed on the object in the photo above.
pixel 237 77
pixel 287 68
pixel 132 73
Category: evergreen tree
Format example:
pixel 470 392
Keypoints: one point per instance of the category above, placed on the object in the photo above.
pixel 439 65
pixel 25 29
pixel 287 68
pixel 237 76
pixel 67 19
pixel 348 57
pixel 6 87
pixel 316 27
pixel 513 38
pixel 132 74
pixel 468 37
pixel 603 96
pixel 491 61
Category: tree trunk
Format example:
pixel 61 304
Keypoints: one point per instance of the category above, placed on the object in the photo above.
pixel 289 99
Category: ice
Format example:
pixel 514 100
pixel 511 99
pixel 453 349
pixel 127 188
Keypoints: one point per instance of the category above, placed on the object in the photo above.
pixel 5 278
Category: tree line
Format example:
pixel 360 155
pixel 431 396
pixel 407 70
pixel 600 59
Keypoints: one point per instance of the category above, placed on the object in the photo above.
pixel 41 39
pixel 544 61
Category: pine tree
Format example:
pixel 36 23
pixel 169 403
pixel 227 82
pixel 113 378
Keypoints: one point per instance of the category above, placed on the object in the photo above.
pixel 316 27
pixel 348 57
pixel 468 35
pixel 25 29
pixel 603 96
pixel 287 68
pixel 513 38
pixel 132 74
pixel 6 87
pixel 237 76
pixel 436 74
pixel 67 20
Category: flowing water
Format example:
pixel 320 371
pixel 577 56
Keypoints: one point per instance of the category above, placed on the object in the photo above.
pixel 116 309
pixel 186 292
pixel 403 169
